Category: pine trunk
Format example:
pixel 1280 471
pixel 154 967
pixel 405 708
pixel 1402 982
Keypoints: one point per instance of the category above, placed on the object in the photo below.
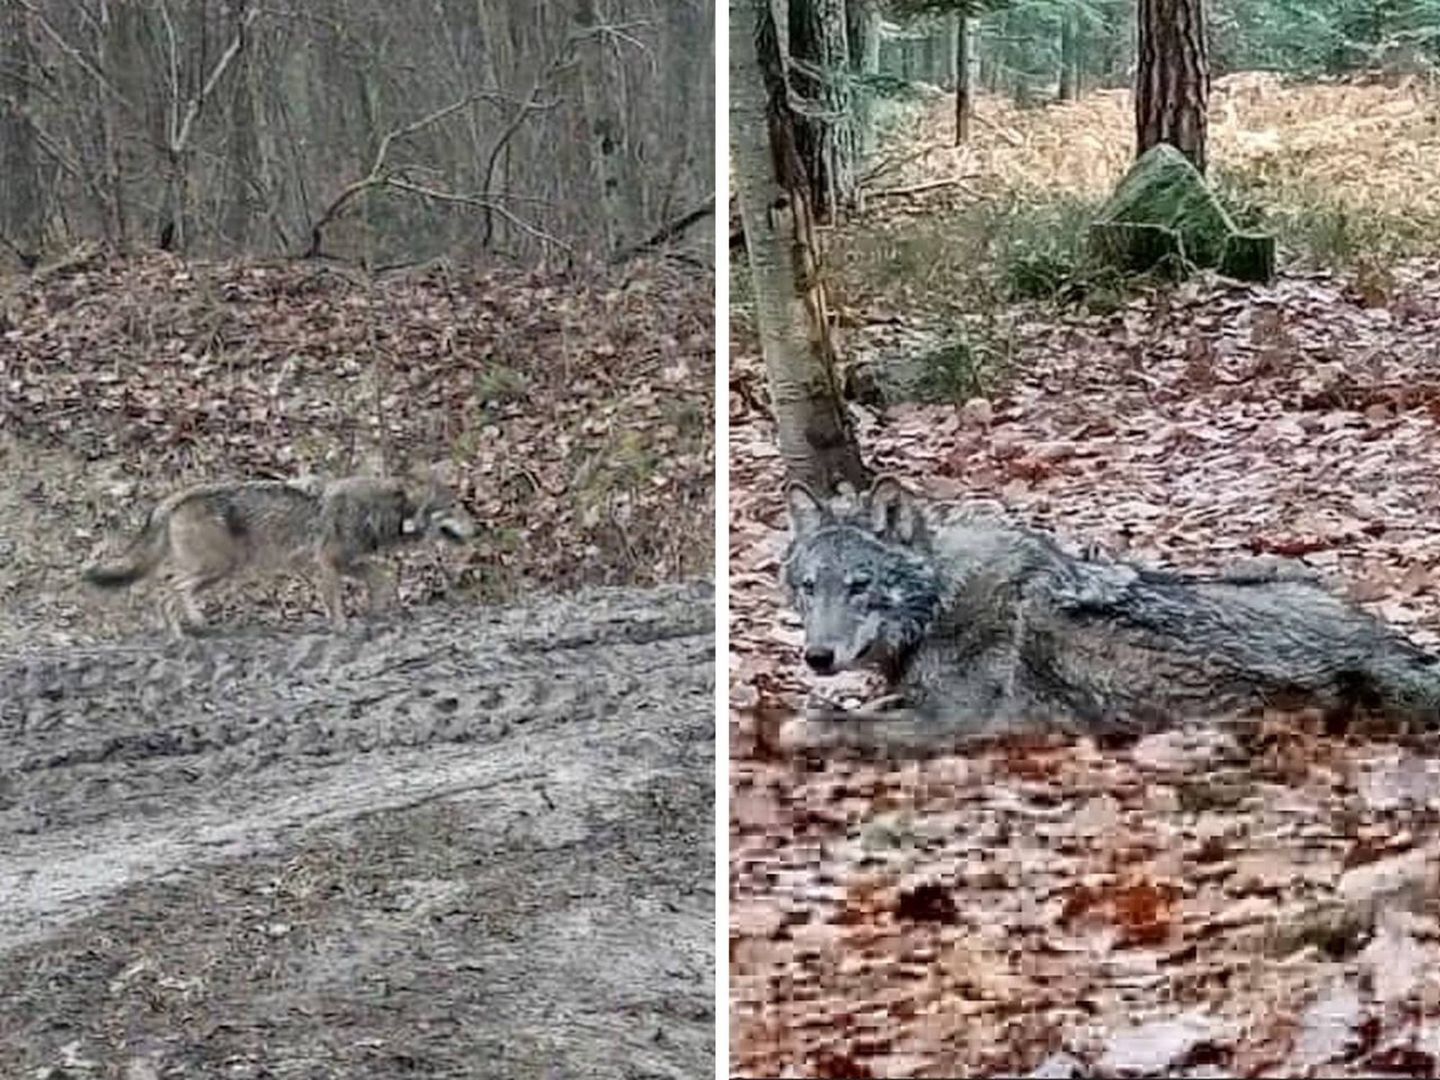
pixel 816 442
pixel 827 137
pixel 1069 55
pixel 1172 78
pixel 967 64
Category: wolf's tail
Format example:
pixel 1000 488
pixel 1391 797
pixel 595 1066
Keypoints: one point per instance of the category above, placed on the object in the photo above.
pixel 138 560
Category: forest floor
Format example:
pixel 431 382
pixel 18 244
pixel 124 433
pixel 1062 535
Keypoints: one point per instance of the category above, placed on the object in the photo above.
pixel 473 839
pixel 1257 901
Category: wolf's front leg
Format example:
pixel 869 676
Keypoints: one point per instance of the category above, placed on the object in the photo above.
pixel 915 722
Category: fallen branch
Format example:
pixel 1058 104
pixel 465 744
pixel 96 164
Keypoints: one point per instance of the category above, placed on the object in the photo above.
pixel 891 164
pixel 928 185
pixel 668 231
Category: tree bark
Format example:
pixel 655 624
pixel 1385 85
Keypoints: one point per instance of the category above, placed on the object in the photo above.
pixel 967 63
pixel 826 139
pixel 862 33
pixel 816 441
pixel 1172 78
pixel 22 194
pixel 609 142
pixel 1069 54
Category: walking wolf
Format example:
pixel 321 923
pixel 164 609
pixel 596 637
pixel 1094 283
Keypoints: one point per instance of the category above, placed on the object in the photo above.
pixel 205 534
pixel 984 626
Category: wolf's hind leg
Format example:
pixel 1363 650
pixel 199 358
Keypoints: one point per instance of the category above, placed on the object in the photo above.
pixel 380 589
pixel 180 610
pixel 328 579
pixel 187 590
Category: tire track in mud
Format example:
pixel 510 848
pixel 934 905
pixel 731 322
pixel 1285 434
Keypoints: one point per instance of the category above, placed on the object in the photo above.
pixel 131 771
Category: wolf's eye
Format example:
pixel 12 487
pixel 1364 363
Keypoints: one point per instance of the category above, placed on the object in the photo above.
pixel 858 586
pixel 807 586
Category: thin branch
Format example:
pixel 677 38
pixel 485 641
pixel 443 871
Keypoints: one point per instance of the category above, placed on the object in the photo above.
pixel 928 185
pixel 668 231
pixel 192 110
pixel 75 55
pixel 379 176
pixel 486 204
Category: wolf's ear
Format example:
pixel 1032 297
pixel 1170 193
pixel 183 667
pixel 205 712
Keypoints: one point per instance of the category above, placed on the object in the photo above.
pixel 807 511
pixel 895 512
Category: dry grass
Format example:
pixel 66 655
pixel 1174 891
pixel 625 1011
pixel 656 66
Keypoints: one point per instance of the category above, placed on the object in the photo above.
pixel 1342 173
pixel 1370 146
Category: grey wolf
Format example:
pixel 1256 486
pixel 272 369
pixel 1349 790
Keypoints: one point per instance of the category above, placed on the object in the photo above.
pixel 203 535
pixel 980 625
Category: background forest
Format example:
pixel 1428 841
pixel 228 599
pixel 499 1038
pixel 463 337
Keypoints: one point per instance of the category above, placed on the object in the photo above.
pixel 351 126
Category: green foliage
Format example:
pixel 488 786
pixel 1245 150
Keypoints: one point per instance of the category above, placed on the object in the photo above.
pixel 1020 39
pixel 1315 37
pixel 1040 251
pixel 967 366
pixel 1314 229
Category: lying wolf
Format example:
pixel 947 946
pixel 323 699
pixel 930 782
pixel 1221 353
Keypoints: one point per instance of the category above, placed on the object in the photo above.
pixel 205 534
pixel 981 626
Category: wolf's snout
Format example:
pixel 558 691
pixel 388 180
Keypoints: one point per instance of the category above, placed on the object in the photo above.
pixel 821 660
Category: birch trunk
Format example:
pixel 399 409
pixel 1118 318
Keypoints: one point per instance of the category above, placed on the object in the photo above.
pixel 816 442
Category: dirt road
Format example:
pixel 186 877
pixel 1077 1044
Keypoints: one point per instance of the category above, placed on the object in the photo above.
pixel 467 843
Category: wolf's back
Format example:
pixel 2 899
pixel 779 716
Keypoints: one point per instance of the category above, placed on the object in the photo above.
pixel 139 560
pixel 1191 637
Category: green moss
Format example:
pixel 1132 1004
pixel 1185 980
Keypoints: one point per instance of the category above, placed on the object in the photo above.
pixel 1163 212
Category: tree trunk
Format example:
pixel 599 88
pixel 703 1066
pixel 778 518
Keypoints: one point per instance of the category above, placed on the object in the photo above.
pixel 816 442
pixel 22 194
pixel 951 33
pixel 242 202
pixel 967 63
pixel 1172 78
pixel 1069 54
pixel 826 139
pixel 609 146
pixel 862 33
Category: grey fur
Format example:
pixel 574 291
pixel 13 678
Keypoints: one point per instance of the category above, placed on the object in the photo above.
pixel 205 534
pixel 985 626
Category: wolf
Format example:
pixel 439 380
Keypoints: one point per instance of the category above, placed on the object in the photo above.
pixel 205 534
pixel 980 625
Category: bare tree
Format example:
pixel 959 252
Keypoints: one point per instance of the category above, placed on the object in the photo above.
pixel 816 441
pixel 232 125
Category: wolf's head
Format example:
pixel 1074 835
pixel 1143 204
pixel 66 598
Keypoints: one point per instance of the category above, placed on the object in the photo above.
pixel 431 510
pixel 860 572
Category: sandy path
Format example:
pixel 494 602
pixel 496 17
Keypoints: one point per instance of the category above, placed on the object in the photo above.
pixel 473 842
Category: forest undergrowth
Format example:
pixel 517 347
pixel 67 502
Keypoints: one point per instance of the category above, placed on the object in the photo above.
pixel 571 413
pixel 1250 900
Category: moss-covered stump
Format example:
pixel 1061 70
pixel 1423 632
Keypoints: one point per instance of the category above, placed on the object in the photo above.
pixel 1162 213
pixel 1249 257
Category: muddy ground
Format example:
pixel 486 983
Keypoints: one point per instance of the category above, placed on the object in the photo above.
pixel 465 842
